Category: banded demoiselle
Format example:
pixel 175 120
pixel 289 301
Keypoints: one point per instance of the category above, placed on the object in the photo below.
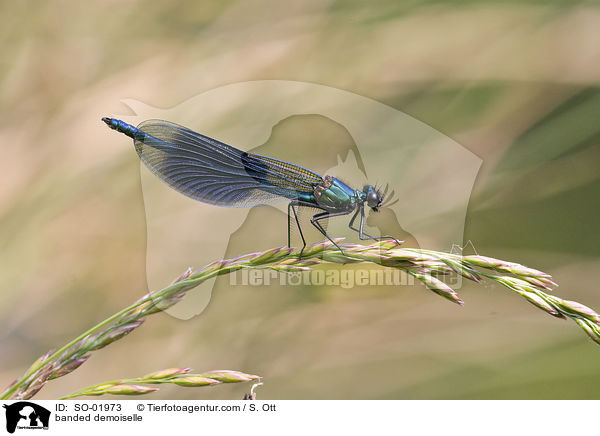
pixel 213 172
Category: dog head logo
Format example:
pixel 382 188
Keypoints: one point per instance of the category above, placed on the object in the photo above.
pixel 26 415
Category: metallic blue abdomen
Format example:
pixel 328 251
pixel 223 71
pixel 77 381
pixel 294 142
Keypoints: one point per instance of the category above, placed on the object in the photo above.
pixel 123 127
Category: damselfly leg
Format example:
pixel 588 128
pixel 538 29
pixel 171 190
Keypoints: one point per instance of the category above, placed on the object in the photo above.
pixel 292 206
pixel 361 234
pixel 314 221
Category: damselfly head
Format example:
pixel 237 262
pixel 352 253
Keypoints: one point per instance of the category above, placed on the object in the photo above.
pixel 373 197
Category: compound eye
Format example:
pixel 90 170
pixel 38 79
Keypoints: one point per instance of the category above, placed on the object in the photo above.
pixel 372 199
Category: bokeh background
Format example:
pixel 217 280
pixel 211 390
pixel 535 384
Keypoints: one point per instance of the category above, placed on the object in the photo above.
pixel 516 83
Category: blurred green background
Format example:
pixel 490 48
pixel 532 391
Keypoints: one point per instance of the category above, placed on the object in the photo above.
pixel 516 83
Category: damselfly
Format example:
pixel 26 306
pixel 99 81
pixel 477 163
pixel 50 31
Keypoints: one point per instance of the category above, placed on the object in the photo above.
pixel 213 172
